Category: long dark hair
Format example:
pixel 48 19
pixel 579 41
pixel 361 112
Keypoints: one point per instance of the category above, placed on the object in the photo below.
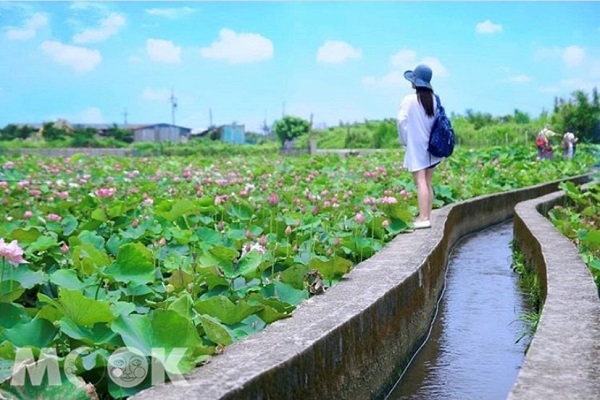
pixel 425 96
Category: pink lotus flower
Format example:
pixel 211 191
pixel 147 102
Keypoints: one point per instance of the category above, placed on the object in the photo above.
pixel 27 214
pixel 11 252
pixel 62 195
pixel 288 230
pixel 104 192
pixel 53 217
pixel 273 199
pixel 389 200
pixel 64 248
pixel 9 165
pixel 148 202
pixel 23 184
pixel 385 223
pixel 262 240
pixel 248 247
pixel 369 201
pixel 360 218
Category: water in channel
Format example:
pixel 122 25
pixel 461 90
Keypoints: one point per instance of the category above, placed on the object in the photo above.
pixel 471 352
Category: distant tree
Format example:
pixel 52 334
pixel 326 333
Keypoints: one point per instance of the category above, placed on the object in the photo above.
pixel 578 114
pixel 385 134
pixel 290 127
pixel 51 132
pixel 123 135
pixel 521 117
pixel 11 131
pixel 479 119
pixel 84 137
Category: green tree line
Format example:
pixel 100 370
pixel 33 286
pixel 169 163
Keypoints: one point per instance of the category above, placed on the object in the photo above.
pixel 62 134
pixel 579 114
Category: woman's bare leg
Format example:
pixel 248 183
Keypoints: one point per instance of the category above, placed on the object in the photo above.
pixel 429 176
pixel 423 180
pixel 423 194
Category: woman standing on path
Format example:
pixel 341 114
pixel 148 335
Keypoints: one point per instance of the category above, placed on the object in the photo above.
pixel 415 119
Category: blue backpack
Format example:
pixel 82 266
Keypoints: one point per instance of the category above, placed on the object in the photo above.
pixel 441 139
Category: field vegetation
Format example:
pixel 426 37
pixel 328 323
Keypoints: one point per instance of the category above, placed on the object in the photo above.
pixel 199 245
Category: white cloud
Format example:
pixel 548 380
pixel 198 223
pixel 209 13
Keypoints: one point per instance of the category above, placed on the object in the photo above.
pixel 487 27
pixel 29 28
pixel 404 59
pixel 407 60
pixel 369 81
pixel 436 66
pixel 239 48
pixel 87 6
pixel 573 56
pixel 336 52
pixel 108 27
pixel 518 79
pixel 163 51
pixel 81 59
pixel 547 53
pixel 171 13
pixel 91 115
pixel 549 89
pixel 579 83
pixel 595 70
pixel 135 59
pixel 393 78
pixel 156 94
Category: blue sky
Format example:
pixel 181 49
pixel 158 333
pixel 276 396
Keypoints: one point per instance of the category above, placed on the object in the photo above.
pixel 247 62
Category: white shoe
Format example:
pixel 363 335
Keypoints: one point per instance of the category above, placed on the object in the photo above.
pixel 422 224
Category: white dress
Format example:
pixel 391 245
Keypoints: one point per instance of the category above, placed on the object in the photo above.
pixel 414 127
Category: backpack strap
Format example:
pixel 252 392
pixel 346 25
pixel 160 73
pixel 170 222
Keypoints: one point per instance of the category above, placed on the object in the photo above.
pixel 439 102
pixel 437 109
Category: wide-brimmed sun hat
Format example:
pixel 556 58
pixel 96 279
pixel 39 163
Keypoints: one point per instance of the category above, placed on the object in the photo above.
pixel 420 76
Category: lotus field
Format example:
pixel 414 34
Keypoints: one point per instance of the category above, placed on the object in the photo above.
pixel 164 254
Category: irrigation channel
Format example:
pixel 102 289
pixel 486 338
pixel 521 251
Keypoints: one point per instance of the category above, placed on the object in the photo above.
pixel 472 350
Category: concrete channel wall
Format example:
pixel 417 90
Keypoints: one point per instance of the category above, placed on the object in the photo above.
pixel 352 341
pixel 563 360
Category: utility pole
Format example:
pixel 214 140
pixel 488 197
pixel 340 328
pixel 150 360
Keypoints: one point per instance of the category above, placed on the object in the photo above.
pixel 125 117
pixel 173 101
pixel 210 122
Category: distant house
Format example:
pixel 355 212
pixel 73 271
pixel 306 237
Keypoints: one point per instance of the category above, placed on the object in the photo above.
pixel 232 133
pixel 161 133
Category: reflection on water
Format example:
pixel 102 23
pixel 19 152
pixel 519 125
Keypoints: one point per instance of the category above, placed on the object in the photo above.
pixel 471 353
